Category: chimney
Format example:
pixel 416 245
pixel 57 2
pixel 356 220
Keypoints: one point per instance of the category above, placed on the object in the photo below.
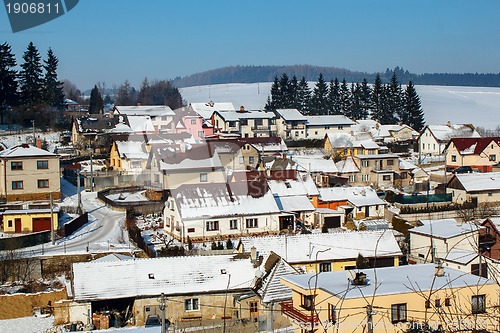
pixel 253 254
pixel 439 270
pixel 449 123
pixel 242 108
pixel 39 143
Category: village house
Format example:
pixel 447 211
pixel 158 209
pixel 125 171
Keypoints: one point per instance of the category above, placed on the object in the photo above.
pixel 478 153
pixel 318 126
pixel 479 188
pixel 319 167
pixel 324 252
pixel 349 170
pixel 29 173
pixel 188 121
pixel 291 124
pixel 215 296
pixel 434 138
pixel 161 116
pixel 88 132
pixel 339 145
pixel 381 170
pixel 356 202
pixel 128 156
pixel 401 298
pixel 215 211
pixel 206 110
pixel 246 123
pixel 385 134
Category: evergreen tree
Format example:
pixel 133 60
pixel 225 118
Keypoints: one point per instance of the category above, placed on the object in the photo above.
pixel 334 97
pixel 365 100
pixel 377 96
pixel 285 92
pixel 356 110
pixel 303 96
pixel 96 103
pixel 144 95
pixel 293 86
pixel 395 100
pixel 30 77
pixel 413 108
pixel 53 89
pixel 126 94
pixel 320 97
pixel 8 84
pixel 345 98
pixel 274 100
pixel 386 113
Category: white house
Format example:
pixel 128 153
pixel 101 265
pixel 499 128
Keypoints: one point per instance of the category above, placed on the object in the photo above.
pixel 318 126
pixel 433 138
pixel 480 188
pixel 161 115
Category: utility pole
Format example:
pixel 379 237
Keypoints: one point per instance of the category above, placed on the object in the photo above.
pixel 91 170
pixel 52 238
pixel 79 208
pixel 369 320
pixel 163 306
pixel 34 135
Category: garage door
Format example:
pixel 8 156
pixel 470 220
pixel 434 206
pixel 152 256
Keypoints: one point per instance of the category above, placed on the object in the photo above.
pixel 41 224
pixel 332 222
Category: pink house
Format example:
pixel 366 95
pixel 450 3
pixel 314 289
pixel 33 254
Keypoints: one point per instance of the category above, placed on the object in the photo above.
pixel 186 120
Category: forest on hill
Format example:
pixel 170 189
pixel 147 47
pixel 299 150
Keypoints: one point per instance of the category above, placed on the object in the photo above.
pixel 253 74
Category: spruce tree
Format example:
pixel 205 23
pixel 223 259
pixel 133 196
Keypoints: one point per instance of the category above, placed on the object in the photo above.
pixel 304 96
pixel 345 98
pixel 126 94
pixel 286 93
pixel 293 86
pixel 144 95
pixel 395 100
pixel 356 110
pixel 8 83
pixel 413 108
pixel 274 100
pixel 334 97
pixel 365 100
pixel 377 97
pixel 96 103
pixel 320 97
pixel 53 88
pixel 387 116
pixel 30 77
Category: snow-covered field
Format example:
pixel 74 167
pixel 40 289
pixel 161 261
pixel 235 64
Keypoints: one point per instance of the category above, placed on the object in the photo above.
pixel 460 105
pixel 26 325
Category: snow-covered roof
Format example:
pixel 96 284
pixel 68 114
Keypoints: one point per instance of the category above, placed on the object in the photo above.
pixel 444 228
pixel 479 181
pixel 315 163
pixel 220 200
pixel 357 195
pixel 443 133
pixel 206 110
pixel 304 248
pixel 131 150
pixel 271 289
pixel 142 124
pixel 303 185
pixel 459 256
pixel 151 277
pixel 372 224
pixel 295 203
pixel 345 140
pixel 271 145
pixel 291 114
pixel 406 165
pixel 29 211
pixel 347 165
pixel 328 120
pixel 390 281
pixel 212 162
pixel 113 257
pixel 144 110
pixel 25 150
pixel 250 114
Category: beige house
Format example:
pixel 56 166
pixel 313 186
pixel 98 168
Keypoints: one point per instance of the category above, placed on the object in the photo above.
pixel 291 124
pixel 434 138
pixel 29 173
pixel 248 124
pixel 380 170
pixel 478 153
pixel 479 188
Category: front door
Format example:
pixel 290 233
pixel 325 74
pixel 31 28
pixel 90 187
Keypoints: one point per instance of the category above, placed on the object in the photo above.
pixel 17 223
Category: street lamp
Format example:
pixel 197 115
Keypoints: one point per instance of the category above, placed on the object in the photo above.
pixel 223 271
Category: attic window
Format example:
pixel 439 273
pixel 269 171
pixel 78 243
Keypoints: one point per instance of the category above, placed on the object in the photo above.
pixel 287 184
pixel 151 276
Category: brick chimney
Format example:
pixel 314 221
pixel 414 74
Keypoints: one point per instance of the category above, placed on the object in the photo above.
pixel 38 142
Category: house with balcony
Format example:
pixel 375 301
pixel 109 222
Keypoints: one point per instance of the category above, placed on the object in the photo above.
pixel 29 174
pixel 318 126
pixel 188 121
pixel 478 153
pixel 248 124
pixel 380 170
pixel 434 138
pixel 389 299
pixel 291 124
pixel 161 115
pixel 206 110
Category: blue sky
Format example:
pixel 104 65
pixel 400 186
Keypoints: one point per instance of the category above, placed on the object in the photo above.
pixel 114 40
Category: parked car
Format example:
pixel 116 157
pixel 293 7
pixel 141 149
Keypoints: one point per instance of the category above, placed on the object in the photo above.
pixel 463 169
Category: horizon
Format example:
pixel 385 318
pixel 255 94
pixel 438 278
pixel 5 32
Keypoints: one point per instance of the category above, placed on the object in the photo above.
pixel 113 41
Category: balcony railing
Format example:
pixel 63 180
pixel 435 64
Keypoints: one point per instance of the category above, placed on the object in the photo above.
pixel 298 316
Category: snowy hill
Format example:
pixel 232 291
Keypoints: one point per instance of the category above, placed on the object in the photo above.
pixel 477 105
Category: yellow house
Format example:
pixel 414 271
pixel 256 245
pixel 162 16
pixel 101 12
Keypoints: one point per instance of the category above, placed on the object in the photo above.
pixel 31 220
pixel 478 153
pixel 128 156
pixel 391 299
pixel 344 144
pixel 29 173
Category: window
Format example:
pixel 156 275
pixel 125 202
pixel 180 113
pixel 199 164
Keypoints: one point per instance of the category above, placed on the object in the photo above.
pixel 251 223
pixel 488 230
pixel 478 304
pixel 325 267
pixel 447 301
pixel 493 158
pixel 398 313
pixel 251 160
pixel 386 177
pixel 16 165
pixel 453 158
pixel 233 224
pixel 352 178
pixel 193 121
pixel 17 185
pixel 191 304
pixel 332 313
pixel 43 183
pixel 390 162
pixel 365 164
pixel 203 177
pixel 191 229
pixel 365 178
pixel 253 308
pixel 307 302
pixel 212 225
pixel 427 304
pixel 42 164
pixel 9 223
pixel 201 134
pixel 340 127
pixel 242 160
pixel 437 303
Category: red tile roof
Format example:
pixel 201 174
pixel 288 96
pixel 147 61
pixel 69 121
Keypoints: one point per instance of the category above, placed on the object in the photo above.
pixel 481 143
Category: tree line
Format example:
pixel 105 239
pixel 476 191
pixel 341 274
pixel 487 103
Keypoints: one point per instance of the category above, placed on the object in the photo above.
pixel 32 93
pixel 385 103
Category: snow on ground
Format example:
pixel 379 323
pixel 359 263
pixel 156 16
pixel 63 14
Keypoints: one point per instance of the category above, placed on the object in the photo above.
pixel 26 325
pixel 461 105
pixel 12 138
pixel 128 196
